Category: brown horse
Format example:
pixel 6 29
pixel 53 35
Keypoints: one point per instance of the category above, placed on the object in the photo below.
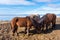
pixel 47 19
pixel 52 19
pixel 21 22
pixel 26 22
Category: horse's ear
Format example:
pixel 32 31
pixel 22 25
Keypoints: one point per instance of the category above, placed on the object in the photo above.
pixel 33 16
pixel 28 17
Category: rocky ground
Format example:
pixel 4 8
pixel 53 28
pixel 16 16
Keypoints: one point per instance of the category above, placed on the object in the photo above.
pixel 5 33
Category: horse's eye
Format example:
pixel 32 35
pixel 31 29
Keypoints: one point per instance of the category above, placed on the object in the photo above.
pixel 34 17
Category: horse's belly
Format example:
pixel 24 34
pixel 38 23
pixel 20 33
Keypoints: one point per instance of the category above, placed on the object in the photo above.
pixel 22 24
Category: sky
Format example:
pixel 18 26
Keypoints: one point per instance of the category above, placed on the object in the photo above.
pixel 10 8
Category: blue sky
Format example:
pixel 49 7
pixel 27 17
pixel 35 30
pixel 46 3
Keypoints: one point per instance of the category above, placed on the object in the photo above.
pixel 26 7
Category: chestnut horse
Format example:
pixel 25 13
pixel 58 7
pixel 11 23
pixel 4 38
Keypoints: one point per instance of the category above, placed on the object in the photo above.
pixel 26 22
pixel 47 19
pixel 21 22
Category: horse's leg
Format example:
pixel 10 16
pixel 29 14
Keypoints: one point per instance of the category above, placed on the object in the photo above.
pixel 49 26
pixel 17 30
pixel 28 28
pixel 25 29
pixel 39 29
pixel 46 27
pixel 42 27
pixel 14 29
pixel 53 24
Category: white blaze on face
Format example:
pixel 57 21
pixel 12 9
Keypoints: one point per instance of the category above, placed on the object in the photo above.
pixel 37 17
pixel 31 15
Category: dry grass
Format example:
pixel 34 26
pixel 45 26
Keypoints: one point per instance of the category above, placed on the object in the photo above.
pixel 6 34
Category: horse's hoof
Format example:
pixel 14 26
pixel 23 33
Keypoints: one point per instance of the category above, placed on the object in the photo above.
pixel 12 34
pixel 46 31
pixel 27 34
pixel 17 34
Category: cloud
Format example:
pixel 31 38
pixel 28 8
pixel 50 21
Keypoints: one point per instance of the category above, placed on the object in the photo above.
pixel 54 5
pixel 42 0
pixel 44 10
pixel 46 0
pixel 16 2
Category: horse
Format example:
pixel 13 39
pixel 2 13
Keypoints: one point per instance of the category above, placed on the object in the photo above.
pixel 52 19
pixel 26 22
pixel 46 20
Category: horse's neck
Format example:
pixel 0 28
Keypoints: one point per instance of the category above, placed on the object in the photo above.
pixel 33 21
pixel 41 19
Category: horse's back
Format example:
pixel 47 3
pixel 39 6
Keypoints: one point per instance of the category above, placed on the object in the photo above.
pixel 51 16
pixel 21 21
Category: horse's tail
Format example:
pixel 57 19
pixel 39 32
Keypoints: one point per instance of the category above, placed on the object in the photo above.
pixel 13 22
pixel 55 18
pixel 10 26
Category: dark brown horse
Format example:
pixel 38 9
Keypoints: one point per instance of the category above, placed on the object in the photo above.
pixel 52 19
pixel 26 22
pixel 47 19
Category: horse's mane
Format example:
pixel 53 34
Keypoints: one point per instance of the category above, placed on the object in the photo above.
pixel 42 19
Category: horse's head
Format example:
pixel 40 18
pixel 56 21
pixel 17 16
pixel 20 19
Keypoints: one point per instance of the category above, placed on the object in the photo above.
pixel 36 17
